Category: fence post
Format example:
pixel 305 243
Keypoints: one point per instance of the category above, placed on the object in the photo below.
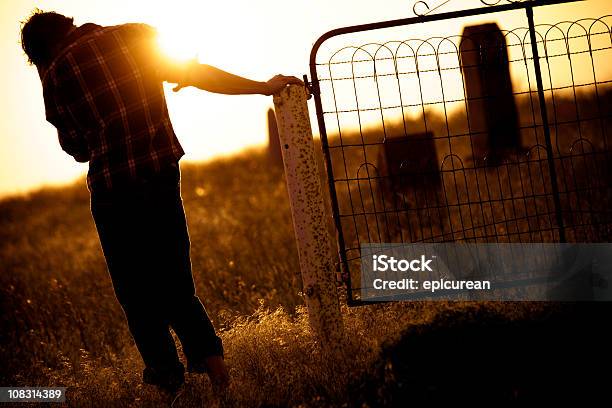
pixel 308 212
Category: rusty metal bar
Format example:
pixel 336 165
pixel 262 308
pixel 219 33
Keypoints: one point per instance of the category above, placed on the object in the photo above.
pixel 546 125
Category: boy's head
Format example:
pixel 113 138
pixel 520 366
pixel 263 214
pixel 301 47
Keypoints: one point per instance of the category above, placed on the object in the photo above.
pixel 41 35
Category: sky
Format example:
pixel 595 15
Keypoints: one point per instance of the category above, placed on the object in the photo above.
pixel 252 38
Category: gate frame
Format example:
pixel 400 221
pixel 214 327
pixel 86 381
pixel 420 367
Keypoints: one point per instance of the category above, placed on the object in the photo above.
pixel 526 5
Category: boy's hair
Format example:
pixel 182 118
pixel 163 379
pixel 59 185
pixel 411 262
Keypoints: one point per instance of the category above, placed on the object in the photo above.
pixel 41 33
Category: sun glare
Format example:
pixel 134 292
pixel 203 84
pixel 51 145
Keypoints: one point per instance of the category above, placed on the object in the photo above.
pixel 178 42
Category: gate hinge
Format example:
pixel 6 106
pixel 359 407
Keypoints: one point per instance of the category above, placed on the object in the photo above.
pixel 309 87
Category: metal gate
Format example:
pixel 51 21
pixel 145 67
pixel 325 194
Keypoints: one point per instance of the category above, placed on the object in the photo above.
pixel 489 136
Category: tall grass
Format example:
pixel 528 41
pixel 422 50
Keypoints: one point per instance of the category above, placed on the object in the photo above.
pixel 62 326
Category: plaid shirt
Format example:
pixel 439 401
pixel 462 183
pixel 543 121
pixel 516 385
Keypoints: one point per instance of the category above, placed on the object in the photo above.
pixel 104 95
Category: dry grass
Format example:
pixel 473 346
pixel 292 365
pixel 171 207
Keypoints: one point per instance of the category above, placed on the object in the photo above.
pixel 61 324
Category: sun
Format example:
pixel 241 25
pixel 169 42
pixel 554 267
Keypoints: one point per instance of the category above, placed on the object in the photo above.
pixel 179 42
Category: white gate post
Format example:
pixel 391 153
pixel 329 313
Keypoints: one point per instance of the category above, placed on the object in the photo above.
pixel 308 212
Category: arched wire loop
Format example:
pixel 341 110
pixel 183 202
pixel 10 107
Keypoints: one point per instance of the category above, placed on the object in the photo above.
pixel 422 8
pixel 497 2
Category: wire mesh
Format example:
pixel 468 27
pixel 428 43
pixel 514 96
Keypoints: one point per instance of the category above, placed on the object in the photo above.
pixel 443 139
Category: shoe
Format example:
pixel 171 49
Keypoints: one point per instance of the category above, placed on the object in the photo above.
pixel 167 380
pixel 217 372
pixel 216 369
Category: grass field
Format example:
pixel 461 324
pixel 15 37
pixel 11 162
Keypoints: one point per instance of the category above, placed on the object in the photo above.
pixel 62 326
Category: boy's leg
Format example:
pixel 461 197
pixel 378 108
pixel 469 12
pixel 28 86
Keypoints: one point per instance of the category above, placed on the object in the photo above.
pixel 124 228
pixel 185 311
pixel 187 316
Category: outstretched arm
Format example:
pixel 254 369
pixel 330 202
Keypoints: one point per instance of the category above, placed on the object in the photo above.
pixel 213 79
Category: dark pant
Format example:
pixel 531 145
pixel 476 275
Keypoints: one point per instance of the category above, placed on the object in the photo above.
pixel 144 236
